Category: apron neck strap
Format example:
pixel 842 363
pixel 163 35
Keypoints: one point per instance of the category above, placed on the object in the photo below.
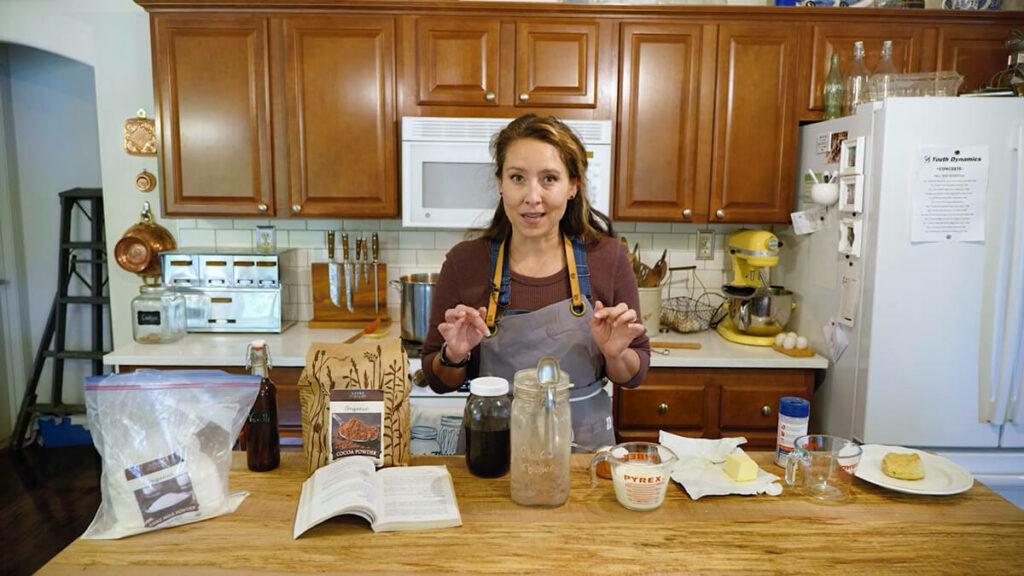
pixel 576 306
pixel 492 302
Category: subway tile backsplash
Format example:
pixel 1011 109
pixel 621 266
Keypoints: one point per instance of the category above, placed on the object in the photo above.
pixel 408 251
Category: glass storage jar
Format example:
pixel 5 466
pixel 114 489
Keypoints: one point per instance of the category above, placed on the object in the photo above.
pixel 158 315
pixel 486 423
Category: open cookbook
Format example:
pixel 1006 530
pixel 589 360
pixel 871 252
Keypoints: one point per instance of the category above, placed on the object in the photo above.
pixel 391 499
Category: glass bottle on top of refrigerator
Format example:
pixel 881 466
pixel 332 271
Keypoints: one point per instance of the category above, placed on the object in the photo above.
pixel 881 83
pixel 833 93
pixel 855 85
pixel 262 442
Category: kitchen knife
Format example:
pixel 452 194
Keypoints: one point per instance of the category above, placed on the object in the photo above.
pixel 375 241
pixel 333 271
pixel 348 272
pixel 366 261
pixel 358 265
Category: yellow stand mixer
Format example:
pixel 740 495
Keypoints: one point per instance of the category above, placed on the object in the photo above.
pixel 757 311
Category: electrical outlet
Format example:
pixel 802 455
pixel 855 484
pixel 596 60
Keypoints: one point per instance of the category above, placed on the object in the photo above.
pixel 705 244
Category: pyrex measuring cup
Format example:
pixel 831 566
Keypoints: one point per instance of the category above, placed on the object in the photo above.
pixel 823 466
pixel 640 473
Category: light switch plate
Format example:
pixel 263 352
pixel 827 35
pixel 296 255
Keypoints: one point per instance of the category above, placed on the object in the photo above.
pixel 705 244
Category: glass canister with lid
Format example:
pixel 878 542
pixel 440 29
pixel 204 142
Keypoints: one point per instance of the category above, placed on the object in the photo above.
pixel 541 430
pixel 486 423
pixel 158 315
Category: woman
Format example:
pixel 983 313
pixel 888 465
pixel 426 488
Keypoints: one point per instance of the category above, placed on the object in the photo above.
pixel 542 230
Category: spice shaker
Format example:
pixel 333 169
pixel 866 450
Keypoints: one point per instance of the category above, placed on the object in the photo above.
pixel 794 413
pixel 486 423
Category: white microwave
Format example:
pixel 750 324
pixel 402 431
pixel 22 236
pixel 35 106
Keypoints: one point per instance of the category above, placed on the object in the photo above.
pixel 448 175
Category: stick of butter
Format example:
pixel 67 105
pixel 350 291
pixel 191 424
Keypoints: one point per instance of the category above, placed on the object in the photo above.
pixel 740 467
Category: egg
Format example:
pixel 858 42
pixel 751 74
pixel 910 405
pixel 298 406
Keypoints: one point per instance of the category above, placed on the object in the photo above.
pixel 790 342
pixel 801 342
pixel 792 335
pixel 779 338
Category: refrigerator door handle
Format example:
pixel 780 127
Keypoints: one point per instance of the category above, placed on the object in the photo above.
pixel 998 362
pixel 1013 352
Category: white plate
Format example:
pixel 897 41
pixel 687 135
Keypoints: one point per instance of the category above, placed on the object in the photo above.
pixel 942 477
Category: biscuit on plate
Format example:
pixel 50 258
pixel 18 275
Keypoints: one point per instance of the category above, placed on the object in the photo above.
pixel 903 466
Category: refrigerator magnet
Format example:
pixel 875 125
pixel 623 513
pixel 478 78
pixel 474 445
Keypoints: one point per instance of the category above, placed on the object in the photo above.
pixel 851 193
pixel 849 236
pixel 851 156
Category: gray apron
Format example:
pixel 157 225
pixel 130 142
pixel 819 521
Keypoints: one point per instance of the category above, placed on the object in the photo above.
pixel 522 339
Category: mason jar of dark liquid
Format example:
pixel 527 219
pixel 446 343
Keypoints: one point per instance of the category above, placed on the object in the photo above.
pixel 486 423
pixel 262 443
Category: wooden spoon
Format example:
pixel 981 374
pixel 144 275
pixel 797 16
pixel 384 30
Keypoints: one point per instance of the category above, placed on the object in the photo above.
pixel 657 272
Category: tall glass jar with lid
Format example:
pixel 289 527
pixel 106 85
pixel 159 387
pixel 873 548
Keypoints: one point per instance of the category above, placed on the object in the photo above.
pixel 158 315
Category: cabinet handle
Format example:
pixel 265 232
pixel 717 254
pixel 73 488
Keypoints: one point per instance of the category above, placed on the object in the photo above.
pixel 687 213
pixel 766 411
pixel 261 207
pixel 524 97
pixel 662 408
pixel 296 208
pixel 489 96
pixel 720 213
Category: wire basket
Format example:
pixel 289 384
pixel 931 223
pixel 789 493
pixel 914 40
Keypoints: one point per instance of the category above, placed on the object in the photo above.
pixel 688 314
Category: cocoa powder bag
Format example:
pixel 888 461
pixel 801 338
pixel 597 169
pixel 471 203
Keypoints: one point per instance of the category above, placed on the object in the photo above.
pixel 370 365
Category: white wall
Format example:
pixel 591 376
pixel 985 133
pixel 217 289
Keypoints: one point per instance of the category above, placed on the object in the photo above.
pixel 52 125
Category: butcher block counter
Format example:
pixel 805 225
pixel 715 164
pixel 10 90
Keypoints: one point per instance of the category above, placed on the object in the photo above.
pixel 878 531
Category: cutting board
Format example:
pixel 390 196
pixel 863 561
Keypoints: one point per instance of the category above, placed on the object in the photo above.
pixel 327 315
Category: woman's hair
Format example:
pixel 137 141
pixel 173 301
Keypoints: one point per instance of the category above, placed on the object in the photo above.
pixel 580 218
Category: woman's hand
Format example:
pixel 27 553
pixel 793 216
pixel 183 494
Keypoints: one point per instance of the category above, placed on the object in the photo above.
pixel 463 328
pixel 614 328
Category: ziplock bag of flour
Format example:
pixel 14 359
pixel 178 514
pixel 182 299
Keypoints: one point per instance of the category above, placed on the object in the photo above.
pixel 165 438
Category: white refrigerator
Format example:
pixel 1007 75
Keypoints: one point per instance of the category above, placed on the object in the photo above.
pixel 923 259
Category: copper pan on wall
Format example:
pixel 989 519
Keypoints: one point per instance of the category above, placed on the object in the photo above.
pixel 140 246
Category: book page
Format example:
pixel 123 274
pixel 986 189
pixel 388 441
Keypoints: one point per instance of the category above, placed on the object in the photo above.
pixel 346 486
pixel 416 497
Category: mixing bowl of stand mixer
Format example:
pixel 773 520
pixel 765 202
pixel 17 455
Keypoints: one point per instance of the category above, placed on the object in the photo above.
pixel 757 310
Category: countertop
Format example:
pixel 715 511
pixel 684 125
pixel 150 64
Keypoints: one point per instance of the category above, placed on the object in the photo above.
pixel 289 349
pixel 878 531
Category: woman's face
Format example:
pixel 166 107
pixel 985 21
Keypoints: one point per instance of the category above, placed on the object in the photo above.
pixel 535 187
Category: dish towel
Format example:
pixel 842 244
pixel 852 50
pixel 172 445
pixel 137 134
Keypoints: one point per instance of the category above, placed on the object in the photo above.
pixel 700 467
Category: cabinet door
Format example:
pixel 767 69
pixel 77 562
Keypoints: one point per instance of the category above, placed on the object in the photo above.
pixel 210 75
pixel 339 93
pixel 665 105
pixel 756 131
pixel 667 399
pixel 976 52
pixel 457 61
pixel 830 39
pixel 556 63
pixel 750 401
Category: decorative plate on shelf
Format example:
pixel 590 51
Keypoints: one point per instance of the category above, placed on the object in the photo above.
pixel 970 4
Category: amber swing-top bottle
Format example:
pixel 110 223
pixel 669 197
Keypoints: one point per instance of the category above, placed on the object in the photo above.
pixel 262 443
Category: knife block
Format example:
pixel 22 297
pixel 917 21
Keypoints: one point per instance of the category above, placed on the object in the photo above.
pixel 327 315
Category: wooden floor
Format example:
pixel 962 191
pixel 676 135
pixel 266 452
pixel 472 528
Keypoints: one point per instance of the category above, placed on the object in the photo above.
pixel 48 497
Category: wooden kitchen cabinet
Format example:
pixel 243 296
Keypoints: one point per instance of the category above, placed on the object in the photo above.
pixel 708 403
pixel 492 63
pixel 339 107
pixel 908 55
pixel 754 151
pixel 289 412
pixel 976 52
pixel 708 129
pixel 666 105
pixel 210 82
